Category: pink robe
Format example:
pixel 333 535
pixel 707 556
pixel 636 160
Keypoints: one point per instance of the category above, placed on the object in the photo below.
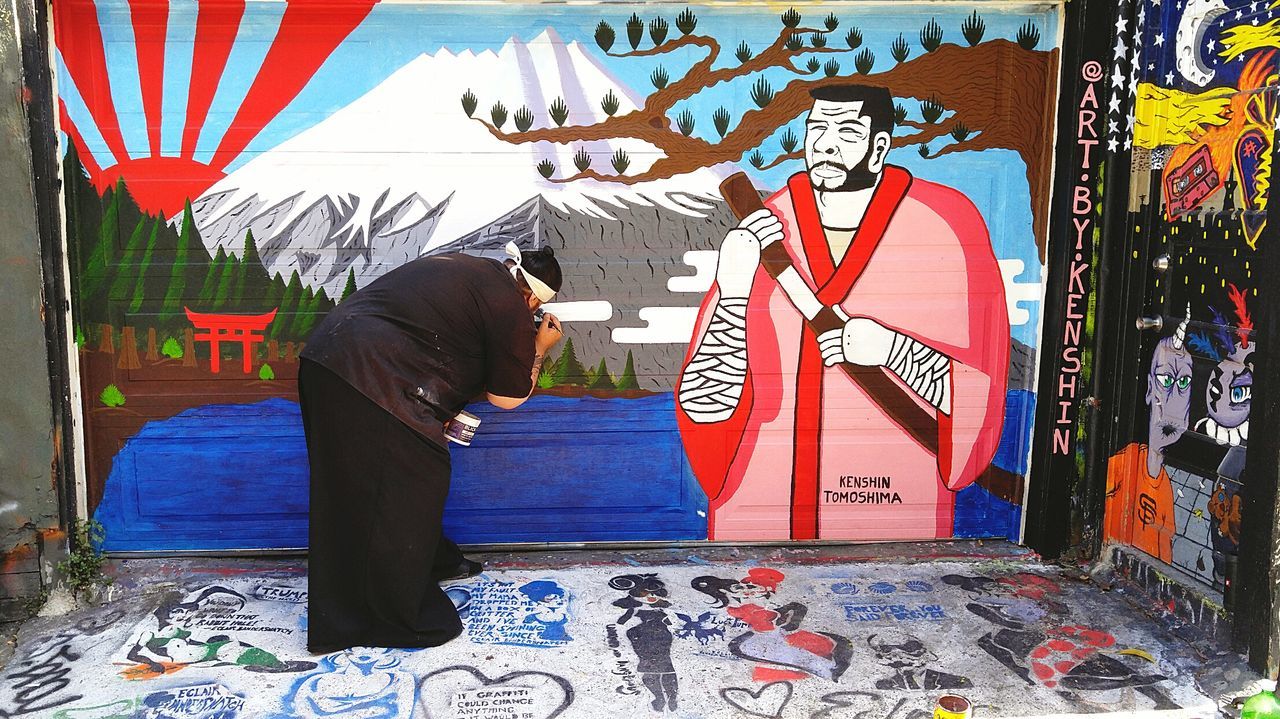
pixel 807 452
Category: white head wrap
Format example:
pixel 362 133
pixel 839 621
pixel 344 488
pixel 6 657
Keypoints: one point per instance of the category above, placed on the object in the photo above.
pixel 540 289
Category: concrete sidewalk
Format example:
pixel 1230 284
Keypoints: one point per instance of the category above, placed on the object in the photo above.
pixel 874 632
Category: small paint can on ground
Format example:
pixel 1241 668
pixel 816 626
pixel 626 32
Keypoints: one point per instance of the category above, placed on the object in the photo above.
pixel 952 706
pixel 462 428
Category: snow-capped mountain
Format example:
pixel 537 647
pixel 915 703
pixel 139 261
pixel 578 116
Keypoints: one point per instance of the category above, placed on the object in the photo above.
pixel 402 171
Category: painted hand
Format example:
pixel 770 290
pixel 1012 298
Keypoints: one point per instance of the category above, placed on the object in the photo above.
pixel 740 252
pixel 861 341
pixel 549 333
pixel 764 225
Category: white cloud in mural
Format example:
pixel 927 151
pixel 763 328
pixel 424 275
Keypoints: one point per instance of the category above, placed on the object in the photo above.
pixel 672 325
pixel 402 170
pixel 1017 292
pixel 704 262
pixel 584 311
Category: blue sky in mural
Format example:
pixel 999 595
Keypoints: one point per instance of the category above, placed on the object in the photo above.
pixel 393 35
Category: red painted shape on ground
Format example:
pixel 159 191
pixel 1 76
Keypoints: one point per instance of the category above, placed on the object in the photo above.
pixel 769 674
pixel 150 24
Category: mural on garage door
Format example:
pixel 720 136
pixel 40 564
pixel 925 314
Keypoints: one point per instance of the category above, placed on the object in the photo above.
pixel 1204 124
pixel 235 169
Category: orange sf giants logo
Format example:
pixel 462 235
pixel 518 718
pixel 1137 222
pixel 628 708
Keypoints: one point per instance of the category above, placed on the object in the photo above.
pixel 1188 186
pixel 1146 509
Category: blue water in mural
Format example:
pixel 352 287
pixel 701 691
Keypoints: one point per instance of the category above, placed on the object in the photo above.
pixel 557 469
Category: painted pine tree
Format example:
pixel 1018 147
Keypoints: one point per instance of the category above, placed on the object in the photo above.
pixel 299 325
pixel 569 369
pixel 274 294
pixel 628 378
pixel 144 264
pixel 171 308
pixel 288 305
pixel 350 287
pixel 602 379
pixel 226 279
pixel 210 284
pixel 124 272
pixel 84 221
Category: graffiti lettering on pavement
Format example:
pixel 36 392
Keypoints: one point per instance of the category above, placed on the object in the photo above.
pixel 200 629
pixel 280 594
pixel 533 614
pixel 204 701
pixel 464 692
pixel 867 705
pixel 896 612
pixel 38 682
pixel 621 666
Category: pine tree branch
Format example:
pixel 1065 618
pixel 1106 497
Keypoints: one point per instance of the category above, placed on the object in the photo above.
pixel 976 143
pixel 961 78
pixel 700 77
pixel 927 133
pixel 673 45
pixel 796 155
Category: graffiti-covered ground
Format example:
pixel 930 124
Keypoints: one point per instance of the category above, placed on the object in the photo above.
pixel 775 633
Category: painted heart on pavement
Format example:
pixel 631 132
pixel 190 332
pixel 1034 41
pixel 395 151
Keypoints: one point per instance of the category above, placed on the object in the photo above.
pixel 464 691
pixel 768 701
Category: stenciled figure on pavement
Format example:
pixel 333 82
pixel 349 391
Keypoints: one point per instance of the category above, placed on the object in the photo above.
pixel 357 682
pixel 911 662
pixel 1032 642
pixel 170 643
pixel 770 415
pixel 651 636
pixel 1139 503
pixel 774 640
pixel 549 610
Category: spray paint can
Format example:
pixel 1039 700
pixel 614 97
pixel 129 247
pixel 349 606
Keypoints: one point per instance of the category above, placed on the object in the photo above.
pixel 462 428
pixel 952 706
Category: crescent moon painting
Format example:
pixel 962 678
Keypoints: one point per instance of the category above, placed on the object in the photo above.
pixel 1196 19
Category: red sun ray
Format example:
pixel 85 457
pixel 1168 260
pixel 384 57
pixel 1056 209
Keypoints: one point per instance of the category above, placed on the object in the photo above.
pixel 217 22
pixel 150 24
pixel 308 33
pixel 89 164
pixel 80 40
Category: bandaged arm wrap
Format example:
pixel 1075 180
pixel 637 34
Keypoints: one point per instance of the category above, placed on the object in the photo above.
pixel 712 383
pixel 923 369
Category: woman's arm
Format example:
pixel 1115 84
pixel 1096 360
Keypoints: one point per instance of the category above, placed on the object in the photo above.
pixel 512 402
pixel 549 333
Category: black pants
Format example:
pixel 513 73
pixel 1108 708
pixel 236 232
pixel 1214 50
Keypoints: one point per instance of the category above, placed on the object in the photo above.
pixel 377 498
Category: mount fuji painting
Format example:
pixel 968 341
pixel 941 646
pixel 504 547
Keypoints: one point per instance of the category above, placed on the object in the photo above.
pixel 234 172
pixel 416 174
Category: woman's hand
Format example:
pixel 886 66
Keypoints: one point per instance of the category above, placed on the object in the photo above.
pixel 549 333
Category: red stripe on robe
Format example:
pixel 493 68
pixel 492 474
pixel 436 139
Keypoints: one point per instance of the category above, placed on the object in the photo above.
pixel 833 285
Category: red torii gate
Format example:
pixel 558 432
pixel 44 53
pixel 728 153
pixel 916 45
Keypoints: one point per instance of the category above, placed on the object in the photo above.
pixel 213 329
